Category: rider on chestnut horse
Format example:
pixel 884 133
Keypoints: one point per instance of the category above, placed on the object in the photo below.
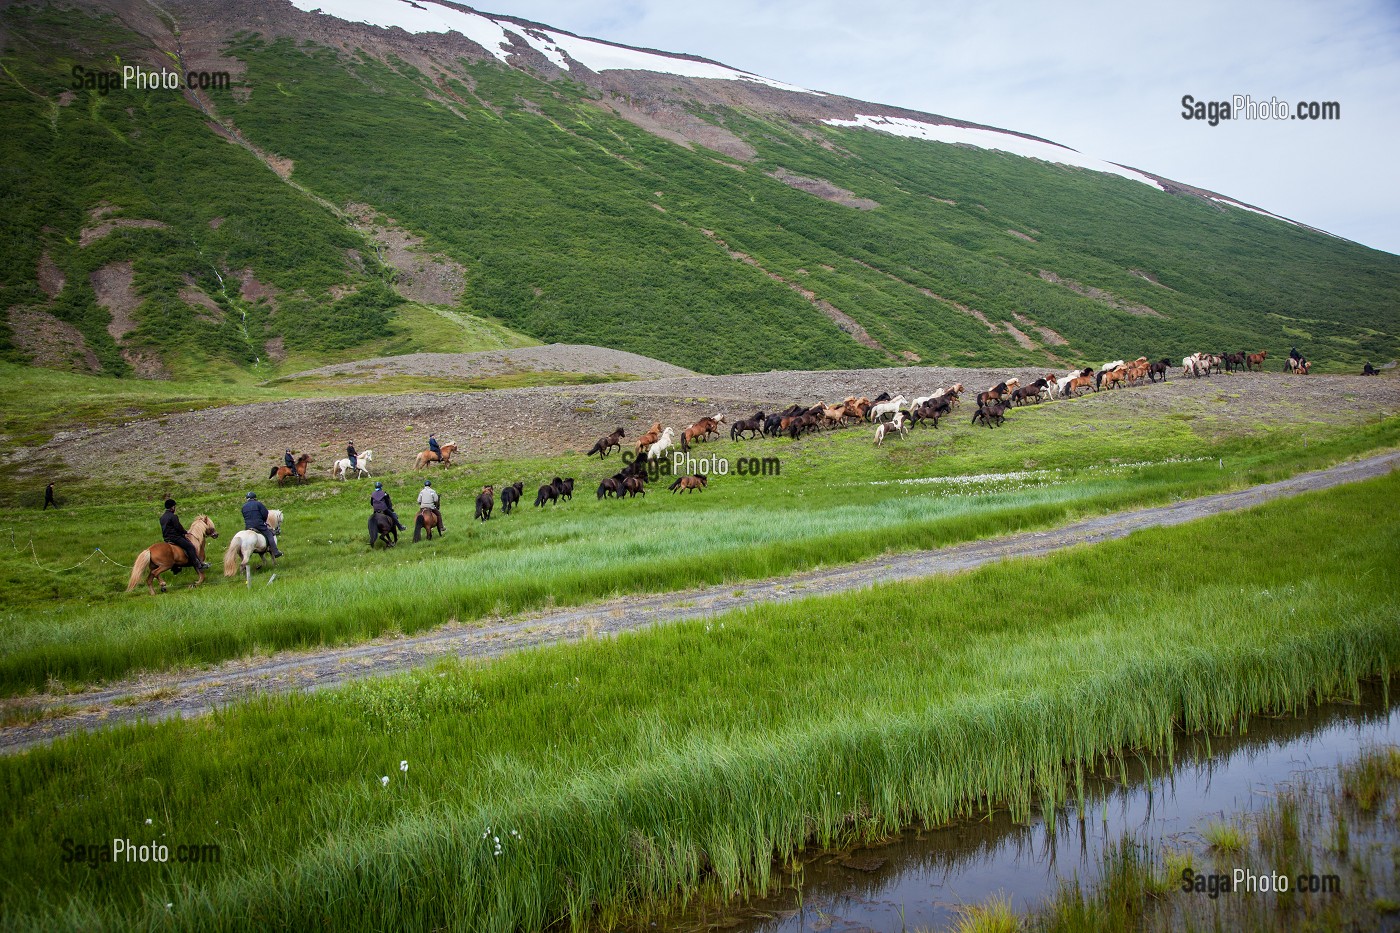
pixel 173 532
pixel 429 499
pixel 434 446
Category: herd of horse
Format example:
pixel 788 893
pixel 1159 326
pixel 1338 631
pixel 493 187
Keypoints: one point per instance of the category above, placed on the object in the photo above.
pixel 891 416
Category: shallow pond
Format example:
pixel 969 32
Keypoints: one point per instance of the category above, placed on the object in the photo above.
pixel 919 879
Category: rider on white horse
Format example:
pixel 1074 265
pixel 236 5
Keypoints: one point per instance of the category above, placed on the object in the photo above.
pixel 255 520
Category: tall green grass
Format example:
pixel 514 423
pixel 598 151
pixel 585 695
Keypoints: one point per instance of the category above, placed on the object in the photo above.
pixel 624 773
pixel 833 503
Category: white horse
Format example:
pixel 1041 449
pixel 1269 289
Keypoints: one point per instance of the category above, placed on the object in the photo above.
pixel 662 445
pixel 247 543
pixel 898 424
pixel 891 407
pixel 1114 365
pixel 342 466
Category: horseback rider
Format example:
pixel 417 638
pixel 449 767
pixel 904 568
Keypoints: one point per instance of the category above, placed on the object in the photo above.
pixel 1295 356
pixel 429 499
pixel 353 454
pixel 255 519
pixel 289 460
pixel 173 532
pixel 434 446
pixel 379 500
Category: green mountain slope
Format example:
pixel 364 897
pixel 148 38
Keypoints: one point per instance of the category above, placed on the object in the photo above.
pixel 570 223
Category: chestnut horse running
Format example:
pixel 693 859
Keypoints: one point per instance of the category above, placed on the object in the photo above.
pixel 280 473
pixel 158 558
pixel 427 457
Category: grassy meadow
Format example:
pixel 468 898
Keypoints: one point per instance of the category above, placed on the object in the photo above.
pixel 837 499
pixel 605 780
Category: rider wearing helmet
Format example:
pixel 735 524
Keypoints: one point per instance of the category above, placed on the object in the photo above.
pixel 289 460
pixel 255 519
pixel 354 455
pixel 379 500
pixel 434 446
pixel 429 499
pixel 173 532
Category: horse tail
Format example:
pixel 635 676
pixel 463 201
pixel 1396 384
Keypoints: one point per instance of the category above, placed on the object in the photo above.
pixel 232 557
pixel 273 474
pixel 139 570
pixel 418 528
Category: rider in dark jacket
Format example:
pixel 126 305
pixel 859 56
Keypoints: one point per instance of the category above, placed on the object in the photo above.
pixel 289 460
pixel 353 454
pixel 255 519
pixel 379 500
pixel 173 532
pixel 434 446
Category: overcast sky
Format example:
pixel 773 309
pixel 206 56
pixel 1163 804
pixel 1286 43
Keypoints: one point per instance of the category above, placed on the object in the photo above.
pixel 1104 78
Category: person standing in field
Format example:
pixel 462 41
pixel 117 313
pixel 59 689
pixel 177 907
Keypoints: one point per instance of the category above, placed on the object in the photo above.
pixel 49 500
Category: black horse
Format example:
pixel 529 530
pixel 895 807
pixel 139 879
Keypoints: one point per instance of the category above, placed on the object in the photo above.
pixel 382 528
pixel 549 492
pixel 1159 368
pixel 485 502
pixel 511 495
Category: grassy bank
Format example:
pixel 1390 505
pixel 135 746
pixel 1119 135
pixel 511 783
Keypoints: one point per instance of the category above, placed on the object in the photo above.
pixel 621 773
pixel 836 500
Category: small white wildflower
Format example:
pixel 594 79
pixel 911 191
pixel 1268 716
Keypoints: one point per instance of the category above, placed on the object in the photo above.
pixel 515 833
pixel 384 780
pixel 148 821
pixel 169 904
pixel 403 766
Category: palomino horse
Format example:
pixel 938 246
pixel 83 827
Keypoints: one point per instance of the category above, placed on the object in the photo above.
pixel 342 466
pixel 280 473
pixel 158 558
pixel 247 543
pixel 427 457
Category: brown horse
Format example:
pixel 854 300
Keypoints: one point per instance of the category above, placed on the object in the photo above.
pixel 651 437
pixel 1085 380
pixel 606 444
pixel 158 558
pixel 427 457
pixel 701 430
pixel 1256 361
pixel 427 521
pixel 690 483
pixel 280 473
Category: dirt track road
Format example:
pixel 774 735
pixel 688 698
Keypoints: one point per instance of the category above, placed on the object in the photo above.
pixel 192 694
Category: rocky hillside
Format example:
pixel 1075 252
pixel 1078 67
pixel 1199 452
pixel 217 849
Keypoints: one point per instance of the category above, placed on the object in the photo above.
pixel 386 178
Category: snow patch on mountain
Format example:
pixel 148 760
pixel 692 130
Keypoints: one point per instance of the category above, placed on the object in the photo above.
pixel 992 139
pixel 497 37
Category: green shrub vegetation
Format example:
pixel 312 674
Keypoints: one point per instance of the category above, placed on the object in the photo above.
pixel 593 781
pixel 549 201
